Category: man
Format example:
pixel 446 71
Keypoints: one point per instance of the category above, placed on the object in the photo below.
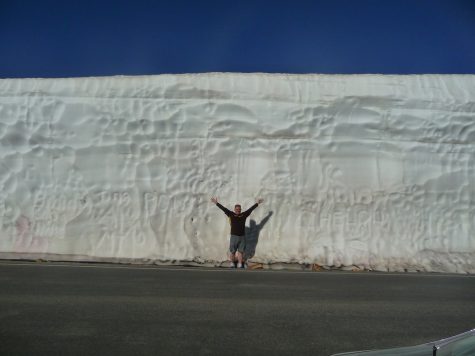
pixel 237 240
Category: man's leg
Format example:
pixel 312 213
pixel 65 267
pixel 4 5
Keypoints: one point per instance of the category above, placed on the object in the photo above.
pixel 233 246
pixel 239 258
pixel 240 251
pixel 232 261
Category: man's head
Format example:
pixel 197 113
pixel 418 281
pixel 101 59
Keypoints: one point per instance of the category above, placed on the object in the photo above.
pixel 237 209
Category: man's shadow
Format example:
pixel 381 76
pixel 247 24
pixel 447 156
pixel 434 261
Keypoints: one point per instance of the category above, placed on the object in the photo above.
pixel 252 235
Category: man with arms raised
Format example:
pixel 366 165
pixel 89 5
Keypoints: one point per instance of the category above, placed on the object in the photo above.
pixel 237 240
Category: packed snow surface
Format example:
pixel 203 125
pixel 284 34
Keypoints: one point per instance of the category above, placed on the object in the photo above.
pixel 364 171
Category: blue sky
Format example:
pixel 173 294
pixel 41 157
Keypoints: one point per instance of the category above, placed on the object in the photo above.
pixel 96 38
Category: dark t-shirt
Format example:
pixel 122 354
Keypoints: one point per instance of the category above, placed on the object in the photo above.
pixel 238 222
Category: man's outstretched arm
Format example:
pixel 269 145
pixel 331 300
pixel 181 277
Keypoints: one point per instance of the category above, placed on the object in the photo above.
pixel 226 211
pixel 249 211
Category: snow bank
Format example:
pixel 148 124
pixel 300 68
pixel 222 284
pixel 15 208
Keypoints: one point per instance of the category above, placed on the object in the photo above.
pixel 370 171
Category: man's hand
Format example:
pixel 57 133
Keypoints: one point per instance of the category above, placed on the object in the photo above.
pixel 214 200
pixel 259 201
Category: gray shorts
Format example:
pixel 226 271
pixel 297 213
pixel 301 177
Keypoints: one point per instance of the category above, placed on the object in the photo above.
pixel 237 243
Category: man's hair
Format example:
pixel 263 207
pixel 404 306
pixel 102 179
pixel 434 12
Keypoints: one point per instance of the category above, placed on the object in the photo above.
pixel 237 205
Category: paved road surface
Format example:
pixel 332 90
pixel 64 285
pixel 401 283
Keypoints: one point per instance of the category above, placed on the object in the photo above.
pixel 84 309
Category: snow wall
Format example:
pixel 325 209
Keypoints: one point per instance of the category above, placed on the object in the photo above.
pixel 371 171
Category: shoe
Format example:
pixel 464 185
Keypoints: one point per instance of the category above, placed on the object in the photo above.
pixel 239 265
pixel 232 265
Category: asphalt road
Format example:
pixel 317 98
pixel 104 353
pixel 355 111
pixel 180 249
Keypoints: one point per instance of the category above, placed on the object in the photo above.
pixel 87 309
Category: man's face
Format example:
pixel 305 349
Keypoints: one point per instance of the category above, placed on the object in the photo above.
pixel 237 209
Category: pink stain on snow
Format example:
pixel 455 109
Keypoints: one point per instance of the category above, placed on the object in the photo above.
pixel 25 241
